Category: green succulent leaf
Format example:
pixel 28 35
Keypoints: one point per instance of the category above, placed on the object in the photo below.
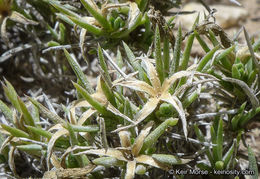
pixel 108 162
pixel 167 159
pixel 88 128
pixel 14 131
pixel 152 138
pixel 29 147
pixel 40 132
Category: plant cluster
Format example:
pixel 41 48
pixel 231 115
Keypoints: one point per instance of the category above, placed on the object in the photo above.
pixel 148 113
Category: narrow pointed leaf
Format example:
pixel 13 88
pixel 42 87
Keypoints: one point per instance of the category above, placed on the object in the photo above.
pixel 251 50
pixel 17 17
pixel 40 132
pixel 203 44
pixel 174 101
pixel 133 62
pixel 133 21
pixel 103 64
pixel 252 163
pixel 51 144
pixel 166 57
pixel 27 116
pixel 220 139
pixel 108 162
pixel 30 147
pixel 85 116
pixel 224 54
pixel 138 86
pixel 61 8
pixel 186 53
pixel 130 169
pixel 14 131
pixel 246 89
pixel 77 70
pixel 86 25
pixel 228 155
pixel 125 138
pixel 95 12
pixel 11 95
pixel 147 109
pixel 152 138
pixel 177 52
pixel 137 146
pixel 110 152
pixel 245 118
pixel 207 58
pixel 108 92
pixel 47 113
pixel 148 160
pixel 95 104
pixel 6 111
pixel 153 76
pixel 116 112
pixel 89 128
pixel 167 159
pixel 158 55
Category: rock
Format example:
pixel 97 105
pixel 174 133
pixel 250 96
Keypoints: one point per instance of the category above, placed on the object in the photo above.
pixel 226 16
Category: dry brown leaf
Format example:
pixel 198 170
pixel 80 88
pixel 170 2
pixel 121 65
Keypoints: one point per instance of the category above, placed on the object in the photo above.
pixel 153 76
pixel 17 17
pixel 103 134
pixel 69 173
pixel 147 109
pixel 110 152
pixel 115 111
pixel 133 15
pixel 56 127
pixel 72 118
pixel 130 169
pixel 138 86
pixel 69 150
pixel 125 138
pixel 82 37
pixel 87 114
pixel 148 160
pixel 5 143
pixel 3 30
pixel 137 146
pixel 175 102
pixel 51 143
pixel 55 162
pixel 168 82
pixel 11 160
